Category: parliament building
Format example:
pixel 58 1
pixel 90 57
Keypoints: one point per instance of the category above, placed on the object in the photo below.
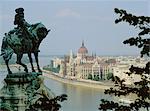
pixel 84 66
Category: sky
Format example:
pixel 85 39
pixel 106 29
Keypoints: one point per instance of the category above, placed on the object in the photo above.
pixel 74 21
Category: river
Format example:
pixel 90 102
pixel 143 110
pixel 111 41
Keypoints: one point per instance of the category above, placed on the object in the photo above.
pixel 79 98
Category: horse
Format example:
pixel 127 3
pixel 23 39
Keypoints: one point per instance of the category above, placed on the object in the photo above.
pixel 23 41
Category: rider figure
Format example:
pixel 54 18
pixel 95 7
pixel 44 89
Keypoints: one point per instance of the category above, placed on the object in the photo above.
pixel 22 25
pixel 19 18
pixel 20 22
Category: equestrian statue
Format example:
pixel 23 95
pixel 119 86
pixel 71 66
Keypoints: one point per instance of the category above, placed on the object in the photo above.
pixel 23 39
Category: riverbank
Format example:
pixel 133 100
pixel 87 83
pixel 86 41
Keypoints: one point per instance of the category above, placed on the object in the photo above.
pixel 85 83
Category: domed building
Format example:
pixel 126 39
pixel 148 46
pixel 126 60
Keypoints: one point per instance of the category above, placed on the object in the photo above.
pixel 82 51
pixel 84 65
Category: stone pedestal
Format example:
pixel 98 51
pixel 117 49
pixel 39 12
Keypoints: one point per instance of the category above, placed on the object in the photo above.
pixel 21 90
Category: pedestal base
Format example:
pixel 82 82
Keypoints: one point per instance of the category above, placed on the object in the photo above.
pixel 21 90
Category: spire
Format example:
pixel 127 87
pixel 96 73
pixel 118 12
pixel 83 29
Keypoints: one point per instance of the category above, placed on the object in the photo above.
pixel 95 55
pixel 71 57
pixel 92 54
pixel 71 54
pixel 82 43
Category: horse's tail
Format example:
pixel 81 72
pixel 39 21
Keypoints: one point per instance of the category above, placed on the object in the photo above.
pixel 6 51
pixel 3 46
pixel 2 51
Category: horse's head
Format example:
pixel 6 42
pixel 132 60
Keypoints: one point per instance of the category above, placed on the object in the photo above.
pixel 39 31
pixel 42 32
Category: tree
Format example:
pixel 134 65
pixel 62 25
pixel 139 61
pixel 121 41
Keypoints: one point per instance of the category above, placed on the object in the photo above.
pixel 141 88
pixel 96 78
pixel 90 76
pixel 45 104
pixel 110 76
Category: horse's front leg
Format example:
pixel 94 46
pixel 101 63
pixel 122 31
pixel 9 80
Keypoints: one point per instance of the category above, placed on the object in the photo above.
pixel 19 57
pixel 8 69
pixel 31 61
pixel 37 61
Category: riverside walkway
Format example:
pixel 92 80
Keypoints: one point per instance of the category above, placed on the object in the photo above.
pixel 80 82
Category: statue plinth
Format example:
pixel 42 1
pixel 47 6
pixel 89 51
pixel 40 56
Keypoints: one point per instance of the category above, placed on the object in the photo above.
pixel 21 90
pixel 20 78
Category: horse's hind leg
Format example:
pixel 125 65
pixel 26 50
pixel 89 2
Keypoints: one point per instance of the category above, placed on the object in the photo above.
pixel 19 57
pixel 37 61
pixel 8 69
pixel 31 61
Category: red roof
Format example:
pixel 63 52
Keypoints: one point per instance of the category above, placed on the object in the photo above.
pixel 82 49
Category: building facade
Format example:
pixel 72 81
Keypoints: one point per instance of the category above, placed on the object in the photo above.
pixel 82 65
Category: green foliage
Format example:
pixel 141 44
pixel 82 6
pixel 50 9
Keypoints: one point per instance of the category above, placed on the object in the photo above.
pixel 90 76
pixel 140 88
pixel 96 78
pixel 140 22
pixel 48 105
pixel 56 70
pixel 110 76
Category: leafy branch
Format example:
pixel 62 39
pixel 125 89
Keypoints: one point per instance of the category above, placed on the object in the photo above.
pixel 140 88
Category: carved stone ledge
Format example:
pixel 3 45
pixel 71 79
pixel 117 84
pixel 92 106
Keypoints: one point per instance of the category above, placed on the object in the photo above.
pixel 22 90
pixel 20 78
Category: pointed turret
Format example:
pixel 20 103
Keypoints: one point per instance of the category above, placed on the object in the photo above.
pixel 71 57
pixel 82 43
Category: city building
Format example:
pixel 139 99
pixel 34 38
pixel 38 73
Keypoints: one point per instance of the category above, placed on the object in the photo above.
pixel 83 66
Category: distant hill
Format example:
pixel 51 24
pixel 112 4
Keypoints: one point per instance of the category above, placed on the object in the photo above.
pixel 51 55
pixel 13 60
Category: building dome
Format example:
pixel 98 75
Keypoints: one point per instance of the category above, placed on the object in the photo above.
pixel 82 49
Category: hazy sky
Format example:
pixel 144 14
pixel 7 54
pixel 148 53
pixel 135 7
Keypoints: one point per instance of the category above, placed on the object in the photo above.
pixel 72 21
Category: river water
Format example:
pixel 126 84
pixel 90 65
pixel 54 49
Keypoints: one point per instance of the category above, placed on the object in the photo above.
pixel 79 98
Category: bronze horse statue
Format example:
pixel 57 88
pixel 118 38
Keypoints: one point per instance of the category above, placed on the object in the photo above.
pixel 26 42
